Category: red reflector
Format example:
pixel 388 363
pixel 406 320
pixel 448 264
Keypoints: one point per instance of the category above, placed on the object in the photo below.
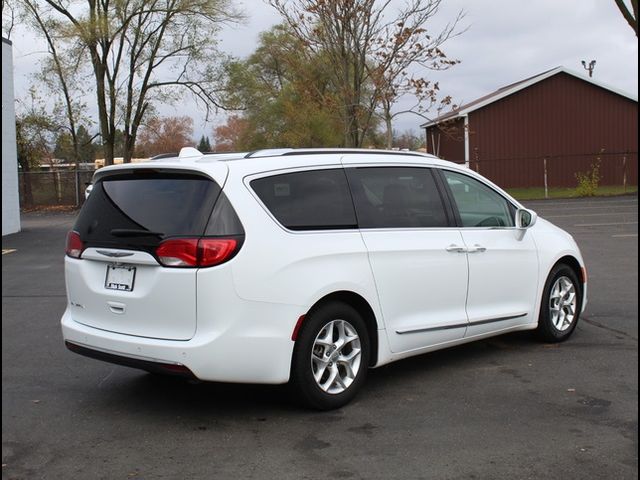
pixel 179 252
pixel 174 368
pixel 296 329
pixel 74 245
pixel 214 251
pixel 584 275
pixel 194 252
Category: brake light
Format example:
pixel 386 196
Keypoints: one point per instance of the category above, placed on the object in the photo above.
pixel 214 251
pixel 179 252
pixel 75 245
pixel 194 252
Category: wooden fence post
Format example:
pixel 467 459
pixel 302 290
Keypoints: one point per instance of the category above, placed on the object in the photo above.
pixel 546 183
pixel 77 186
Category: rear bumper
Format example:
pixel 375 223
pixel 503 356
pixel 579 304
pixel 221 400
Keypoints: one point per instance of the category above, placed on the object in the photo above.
pixel 148 365
pixel 254 349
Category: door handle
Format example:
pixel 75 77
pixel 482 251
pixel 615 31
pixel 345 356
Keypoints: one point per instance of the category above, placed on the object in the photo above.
pixel 477 249
pixel 455 248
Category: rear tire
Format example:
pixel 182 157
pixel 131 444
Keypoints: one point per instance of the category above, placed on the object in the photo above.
pixel 561 305
pixel 331 356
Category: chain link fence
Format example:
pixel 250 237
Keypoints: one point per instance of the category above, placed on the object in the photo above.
pixel 560 171
pixel 53 188
pixel 66 187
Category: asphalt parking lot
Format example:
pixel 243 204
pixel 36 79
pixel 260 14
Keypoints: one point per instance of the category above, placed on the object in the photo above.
pixel 508 407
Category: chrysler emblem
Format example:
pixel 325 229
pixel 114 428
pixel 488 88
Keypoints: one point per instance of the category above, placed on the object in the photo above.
pixel 114 254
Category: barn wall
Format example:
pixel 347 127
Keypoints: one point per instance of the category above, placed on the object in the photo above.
pixel 447 141
pixel 570 122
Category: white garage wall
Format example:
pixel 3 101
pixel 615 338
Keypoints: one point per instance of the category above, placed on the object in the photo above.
pixel 10 194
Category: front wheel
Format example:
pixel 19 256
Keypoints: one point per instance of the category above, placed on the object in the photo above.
pixel 561 305
pixel 331 356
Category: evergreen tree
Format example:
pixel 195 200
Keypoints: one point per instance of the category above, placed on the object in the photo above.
pixel 205 144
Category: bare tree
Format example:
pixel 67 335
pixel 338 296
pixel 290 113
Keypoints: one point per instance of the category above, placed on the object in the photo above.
pixel 141 51
pixel 35 132
pixel 407 44
pixel 343 30
pixel 8 18
pixel 630 16
pixel 369 49
pixel 163 135
pixel 60 75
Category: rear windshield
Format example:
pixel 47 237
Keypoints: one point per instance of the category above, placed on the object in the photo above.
pixel 141 209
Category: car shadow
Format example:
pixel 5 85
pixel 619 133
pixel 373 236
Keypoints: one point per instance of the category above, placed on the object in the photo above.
pixel 132 391
pixel 460 357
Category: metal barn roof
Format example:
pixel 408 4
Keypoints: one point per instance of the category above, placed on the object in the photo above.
pixel 503 92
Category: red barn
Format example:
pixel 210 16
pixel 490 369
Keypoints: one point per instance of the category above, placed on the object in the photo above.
pixel 552 125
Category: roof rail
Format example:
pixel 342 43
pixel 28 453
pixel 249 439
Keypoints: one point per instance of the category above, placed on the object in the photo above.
pixel 352 151
pixel 190 152
pixel 212 156
pixel 164 155
pixel 276 152
pixel 268 152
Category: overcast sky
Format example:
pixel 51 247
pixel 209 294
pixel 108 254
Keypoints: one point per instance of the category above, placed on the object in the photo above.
pixel 506 41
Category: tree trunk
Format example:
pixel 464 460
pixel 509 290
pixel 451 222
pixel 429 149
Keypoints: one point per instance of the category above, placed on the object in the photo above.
pixel 346 129
pixel 107 149
pixel 389 127
pixel 108 134
pixel 353 126
pixel 127 152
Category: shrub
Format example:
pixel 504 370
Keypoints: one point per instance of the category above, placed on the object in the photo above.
pixel 588 181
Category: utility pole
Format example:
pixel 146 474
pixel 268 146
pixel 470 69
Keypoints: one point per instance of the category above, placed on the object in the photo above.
pixel 589 68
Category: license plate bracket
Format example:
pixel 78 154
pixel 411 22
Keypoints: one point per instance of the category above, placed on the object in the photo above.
pixel 120 277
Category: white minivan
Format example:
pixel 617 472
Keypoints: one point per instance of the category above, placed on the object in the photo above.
pixel 307 266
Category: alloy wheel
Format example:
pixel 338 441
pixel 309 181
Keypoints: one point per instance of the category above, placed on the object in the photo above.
pixel 563 303
pixel 336 356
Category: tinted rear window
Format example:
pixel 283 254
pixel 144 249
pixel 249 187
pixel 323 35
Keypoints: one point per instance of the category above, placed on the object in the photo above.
pixel 168 204
pixel 312 200
pixel 396 197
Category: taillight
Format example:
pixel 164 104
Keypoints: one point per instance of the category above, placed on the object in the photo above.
pixel 74 245
pixel 194 252
pixel 214 251
pixel 179 252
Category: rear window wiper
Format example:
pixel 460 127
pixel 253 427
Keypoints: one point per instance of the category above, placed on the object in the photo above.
pixel 133 232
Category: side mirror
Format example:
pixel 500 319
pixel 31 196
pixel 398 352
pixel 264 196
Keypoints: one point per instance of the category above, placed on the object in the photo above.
pixel 525 218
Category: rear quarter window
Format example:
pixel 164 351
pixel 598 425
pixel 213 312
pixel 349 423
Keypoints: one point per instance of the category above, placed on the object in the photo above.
pixel 310 200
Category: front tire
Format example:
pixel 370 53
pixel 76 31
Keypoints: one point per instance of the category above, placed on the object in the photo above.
pixel 331 356
pixel 561 305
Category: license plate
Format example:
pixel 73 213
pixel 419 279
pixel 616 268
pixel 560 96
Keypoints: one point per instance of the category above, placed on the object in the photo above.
pixel 120 278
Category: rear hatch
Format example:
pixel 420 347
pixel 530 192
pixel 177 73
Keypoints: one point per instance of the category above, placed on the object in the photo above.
pixel 118 283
